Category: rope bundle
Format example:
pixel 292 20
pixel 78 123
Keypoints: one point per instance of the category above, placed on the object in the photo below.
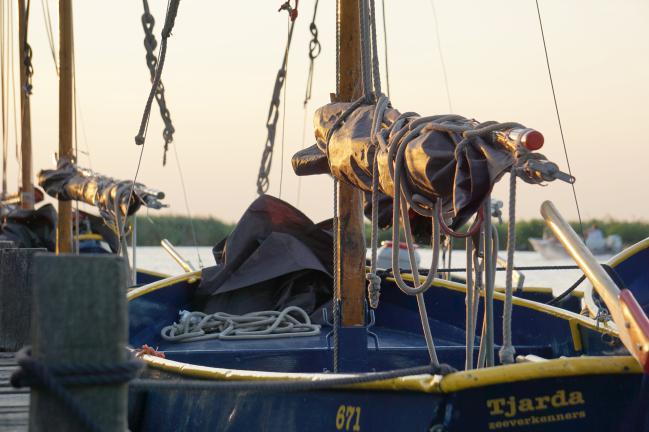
pixel 195 326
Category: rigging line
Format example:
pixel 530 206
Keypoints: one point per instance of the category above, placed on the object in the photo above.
pixel 50 33
pixel 299 178
pixel 314 51
pixel 556 108
pixel 385 47
pixel 12 67
pixel 140 139
pixel 74 123
pixel 441 56
pixel 4 97
pixel 189 215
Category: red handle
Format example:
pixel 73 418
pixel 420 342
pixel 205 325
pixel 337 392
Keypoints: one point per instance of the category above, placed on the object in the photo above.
pixel 637 326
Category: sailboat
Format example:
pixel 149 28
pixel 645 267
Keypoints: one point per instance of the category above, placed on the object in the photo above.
pixel 392 351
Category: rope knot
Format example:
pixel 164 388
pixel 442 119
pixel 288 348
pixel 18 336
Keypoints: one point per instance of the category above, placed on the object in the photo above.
pixel 292 11
pixel 373 289
pixel 55 378
pixel 506 354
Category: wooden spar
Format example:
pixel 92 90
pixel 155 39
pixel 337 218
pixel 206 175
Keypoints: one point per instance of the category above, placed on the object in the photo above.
pixel 64 229
pixel 350 235
pixel 27 189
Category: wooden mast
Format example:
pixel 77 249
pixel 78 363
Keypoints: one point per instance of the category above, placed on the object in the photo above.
pixel 64 229
pixel 27 189
pixel 350 235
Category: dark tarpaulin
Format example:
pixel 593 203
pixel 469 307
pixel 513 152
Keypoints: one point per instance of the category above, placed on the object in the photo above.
pixel 31 228
pixel 275 257
pixel 431 168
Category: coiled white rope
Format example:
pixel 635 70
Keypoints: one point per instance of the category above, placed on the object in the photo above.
pixel 195 326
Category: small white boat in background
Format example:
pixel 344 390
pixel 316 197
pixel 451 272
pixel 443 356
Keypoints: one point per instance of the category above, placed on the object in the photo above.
pixel 384 260
pixel 551 248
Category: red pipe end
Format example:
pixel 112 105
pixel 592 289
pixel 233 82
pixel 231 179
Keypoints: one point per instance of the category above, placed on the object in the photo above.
pixel 533 140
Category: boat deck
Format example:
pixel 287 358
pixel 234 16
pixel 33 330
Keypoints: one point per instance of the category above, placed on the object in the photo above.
pixel 14 403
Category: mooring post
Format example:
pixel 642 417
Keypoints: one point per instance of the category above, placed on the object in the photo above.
pixel 80 317
pixel 15 296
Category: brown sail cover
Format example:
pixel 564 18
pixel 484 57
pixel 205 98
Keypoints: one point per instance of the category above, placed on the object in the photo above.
pixel 109 195
pixel 431 167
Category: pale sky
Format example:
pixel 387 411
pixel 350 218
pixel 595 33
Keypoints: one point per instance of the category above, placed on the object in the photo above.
pixel 223 57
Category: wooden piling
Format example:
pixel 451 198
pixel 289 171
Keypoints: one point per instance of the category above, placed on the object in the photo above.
pixel 15 297
pixel 6 244
pixel 80 316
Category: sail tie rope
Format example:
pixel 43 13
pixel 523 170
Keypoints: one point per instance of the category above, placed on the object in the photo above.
pixel 468 299
pixel 399 135
pixel 507 351
pixel 486 343
pixel 374 281
pixel 195 326
pixel 335 303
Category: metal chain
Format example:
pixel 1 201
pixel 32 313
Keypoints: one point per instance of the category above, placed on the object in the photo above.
pixel 263 181
pixel 170 19
pixel 314 51
pixel 150 44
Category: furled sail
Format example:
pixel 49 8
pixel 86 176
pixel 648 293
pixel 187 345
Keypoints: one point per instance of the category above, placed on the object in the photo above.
pixel 440 159
pixel 114 198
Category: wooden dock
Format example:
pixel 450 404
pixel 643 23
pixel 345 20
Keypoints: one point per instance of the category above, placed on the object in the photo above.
pixel 14 403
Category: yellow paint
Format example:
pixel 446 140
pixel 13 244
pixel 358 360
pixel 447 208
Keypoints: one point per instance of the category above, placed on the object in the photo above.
pixel 576 335
pixel 90 236
pixel 154 286
pixel 539 290
pixel 348 418
pixel 511 406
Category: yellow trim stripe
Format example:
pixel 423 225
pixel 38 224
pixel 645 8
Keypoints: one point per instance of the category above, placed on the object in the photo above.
pixel 154 286
pixel 628 252
pixel 455 382
pixel 576 335
pixel 90 236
